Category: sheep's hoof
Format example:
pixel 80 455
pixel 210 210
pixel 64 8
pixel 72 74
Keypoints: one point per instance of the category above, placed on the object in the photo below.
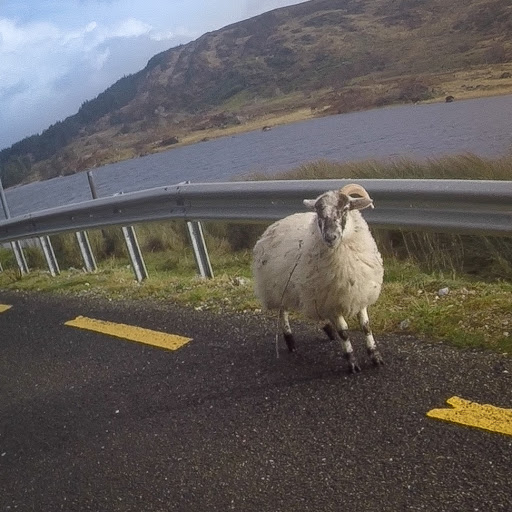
pixel 353 367
pixel 290 342
pixel 376 358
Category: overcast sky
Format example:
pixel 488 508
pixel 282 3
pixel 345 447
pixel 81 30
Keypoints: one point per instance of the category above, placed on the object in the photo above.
pixel 55 54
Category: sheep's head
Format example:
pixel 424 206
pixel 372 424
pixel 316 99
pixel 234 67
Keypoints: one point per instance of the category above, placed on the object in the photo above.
pixel 332 211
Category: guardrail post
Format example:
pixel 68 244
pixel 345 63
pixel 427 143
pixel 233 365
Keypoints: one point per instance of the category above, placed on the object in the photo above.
pixel 20 257
pixel 85 249
pixel 130 237
pixel 138 265
pixel 83 238
pixel 195 233
pixel 49 254
pixel 196 237
pixel 92 185
pixel 16 246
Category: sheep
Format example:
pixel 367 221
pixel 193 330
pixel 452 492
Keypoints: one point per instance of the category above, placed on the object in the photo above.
pixel 324 264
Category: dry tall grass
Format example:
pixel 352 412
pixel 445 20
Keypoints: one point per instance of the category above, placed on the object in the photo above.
pixel 489 257
pixel 166 247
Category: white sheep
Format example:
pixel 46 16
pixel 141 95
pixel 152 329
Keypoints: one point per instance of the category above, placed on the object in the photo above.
pixel 324 264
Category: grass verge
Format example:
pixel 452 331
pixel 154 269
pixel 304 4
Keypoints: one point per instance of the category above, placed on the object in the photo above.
pixel 468 312
pixel 475 273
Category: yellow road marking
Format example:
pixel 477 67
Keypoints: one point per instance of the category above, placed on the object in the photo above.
pixel 130 332
pixel 4 307
pixel 471 414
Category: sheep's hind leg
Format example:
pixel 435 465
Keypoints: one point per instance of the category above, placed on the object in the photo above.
pixel 371 346
pixel 342 328
pixel 287 331
pixel 330 331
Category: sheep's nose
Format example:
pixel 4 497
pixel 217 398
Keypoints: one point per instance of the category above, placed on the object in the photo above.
pixel 331 238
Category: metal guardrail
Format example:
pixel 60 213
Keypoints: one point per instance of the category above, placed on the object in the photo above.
pixel 457 206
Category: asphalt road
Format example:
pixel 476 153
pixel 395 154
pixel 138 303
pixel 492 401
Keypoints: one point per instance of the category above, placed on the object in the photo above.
pixel 91 422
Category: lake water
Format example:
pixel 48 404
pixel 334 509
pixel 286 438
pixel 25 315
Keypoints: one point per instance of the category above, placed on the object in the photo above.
pixel 481 126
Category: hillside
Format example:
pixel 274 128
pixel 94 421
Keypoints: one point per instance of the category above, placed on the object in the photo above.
pixel 315 58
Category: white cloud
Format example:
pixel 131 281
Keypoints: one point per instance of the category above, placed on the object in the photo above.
pixel 254 7
pixel 130 28
pixel 91 26
pixel 54 55
pixel 100 59
pixel 179 32
pixel 46 72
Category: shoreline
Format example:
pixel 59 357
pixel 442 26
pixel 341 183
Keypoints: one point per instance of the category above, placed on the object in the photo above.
pixel 287 117
pixel 297 116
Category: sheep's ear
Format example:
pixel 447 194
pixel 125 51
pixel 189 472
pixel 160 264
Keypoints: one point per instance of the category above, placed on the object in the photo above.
pixel 309 203
pixel 361 203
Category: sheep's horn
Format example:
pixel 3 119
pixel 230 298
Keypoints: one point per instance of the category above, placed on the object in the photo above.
pixel 354 188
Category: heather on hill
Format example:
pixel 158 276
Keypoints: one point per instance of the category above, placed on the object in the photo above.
pixel 321 57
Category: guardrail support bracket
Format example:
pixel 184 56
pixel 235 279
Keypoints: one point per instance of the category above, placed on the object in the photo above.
pixel 138 265
pixel 85 249
pixel 49 255
pixel 195 233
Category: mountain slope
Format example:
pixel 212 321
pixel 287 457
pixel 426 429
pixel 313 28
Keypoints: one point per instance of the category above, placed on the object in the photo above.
pixel 326 55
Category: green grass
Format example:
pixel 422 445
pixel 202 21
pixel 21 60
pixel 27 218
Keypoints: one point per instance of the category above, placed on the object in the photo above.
pixel 475 313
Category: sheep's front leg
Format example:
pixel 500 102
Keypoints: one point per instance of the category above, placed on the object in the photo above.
pixel 287 331
pixel 348 351
pixel 371 346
